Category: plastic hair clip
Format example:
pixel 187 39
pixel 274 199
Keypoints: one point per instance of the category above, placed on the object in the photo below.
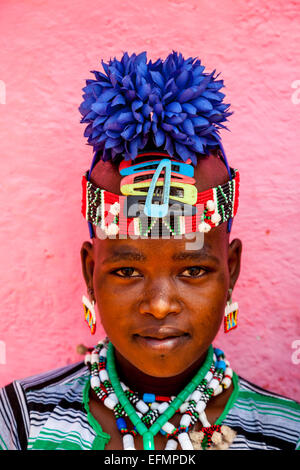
pixel 159 210
pixel 176 167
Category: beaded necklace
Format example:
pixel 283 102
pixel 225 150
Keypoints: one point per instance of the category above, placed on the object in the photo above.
pixel 151 413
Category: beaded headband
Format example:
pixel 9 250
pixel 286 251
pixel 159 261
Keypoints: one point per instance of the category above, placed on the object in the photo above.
pixel 111 212
pixel 171 105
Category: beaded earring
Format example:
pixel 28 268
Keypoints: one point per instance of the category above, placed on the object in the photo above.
pixel 89 313
pixel 231 312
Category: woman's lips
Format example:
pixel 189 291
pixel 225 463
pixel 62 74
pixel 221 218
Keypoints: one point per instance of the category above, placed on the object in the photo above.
pixel 161 339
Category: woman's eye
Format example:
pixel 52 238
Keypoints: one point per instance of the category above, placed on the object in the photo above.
pixel 194 271
pixel 127 272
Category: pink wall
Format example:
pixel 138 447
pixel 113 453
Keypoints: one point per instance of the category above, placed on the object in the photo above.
pixel 46 51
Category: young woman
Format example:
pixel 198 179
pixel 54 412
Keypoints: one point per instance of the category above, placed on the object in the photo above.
pixel 159 177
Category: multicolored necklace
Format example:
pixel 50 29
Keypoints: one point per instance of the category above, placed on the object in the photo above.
pixel 151 413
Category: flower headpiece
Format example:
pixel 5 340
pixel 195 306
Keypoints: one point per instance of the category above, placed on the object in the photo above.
pixel 171 105
pixel 171 102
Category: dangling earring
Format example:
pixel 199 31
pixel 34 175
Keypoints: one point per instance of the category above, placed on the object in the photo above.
pixel 231 312
pixel 89 312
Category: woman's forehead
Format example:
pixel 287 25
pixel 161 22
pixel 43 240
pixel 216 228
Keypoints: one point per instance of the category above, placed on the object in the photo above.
pixel 213 244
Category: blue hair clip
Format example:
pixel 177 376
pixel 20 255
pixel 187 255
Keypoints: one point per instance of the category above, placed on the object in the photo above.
pixel 159 210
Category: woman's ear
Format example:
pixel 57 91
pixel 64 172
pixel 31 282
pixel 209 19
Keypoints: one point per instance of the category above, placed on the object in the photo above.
pixel 87 263
pixel 234 261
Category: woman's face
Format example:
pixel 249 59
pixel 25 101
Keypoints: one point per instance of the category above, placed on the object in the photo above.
pixel 161 304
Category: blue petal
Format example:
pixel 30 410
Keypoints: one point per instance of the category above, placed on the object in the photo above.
pixel 217 96
pixel 186 95
pixel 159 138
pixel 129 131
pixel 99 108
pixel 112 143
pixel 200 121
pixel 169 146
pixel 188 127
pixel 167 127
pixel 146 110
pixel 99 120
pixel 183 151
pixel 189 108
pixel 112 134
pixel 182 79
pixel 202 104
pixel 107 95
pixel 157 78
pixel 158 108
pixel 133 146
pixel 174 107
pixel 136 105
pixel 126 117
pixel 118 100
pixel 144 91
pixel 198 143
pixel 146 127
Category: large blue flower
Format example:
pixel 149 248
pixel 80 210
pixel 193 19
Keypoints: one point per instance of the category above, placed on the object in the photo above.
pixel 172 102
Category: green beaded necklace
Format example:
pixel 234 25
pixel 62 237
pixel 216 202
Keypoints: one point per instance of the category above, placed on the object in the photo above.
pixel 148 434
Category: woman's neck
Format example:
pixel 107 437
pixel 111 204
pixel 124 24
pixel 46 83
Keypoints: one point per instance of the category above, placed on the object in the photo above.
pixel 140 382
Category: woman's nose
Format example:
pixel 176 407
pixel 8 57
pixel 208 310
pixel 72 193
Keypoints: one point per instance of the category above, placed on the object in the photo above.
pixel 160 300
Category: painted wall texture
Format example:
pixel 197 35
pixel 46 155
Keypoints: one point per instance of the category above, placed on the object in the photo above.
pixel 47 49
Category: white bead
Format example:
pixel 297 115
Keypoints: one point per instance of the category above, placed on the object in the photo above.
pixel 185 441
pixel 128 442
pixel 94 358
pixel 226 382
pixel 204 227
pixel 215 218
pixel 210 205
pixel 141 406
pixel 214 384
pixel 218 391
pixel 168 427
pixel 185 420
pixel 209 376
pixel 110 403
pixel 154 405
pixel 171 444
pixel 112 229
pixel 228 371
pixel 200 406
pixel 183 407
pixel 103 352
pixel 87 358
pixel 162 407
pixel 115 208
pixel 196 395
pixel 114 397
pixel 203 419
pixel 95 381
pixel 103 375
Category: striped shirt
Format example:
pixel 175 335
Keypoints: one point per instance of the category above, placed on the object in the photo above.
pixel 51 411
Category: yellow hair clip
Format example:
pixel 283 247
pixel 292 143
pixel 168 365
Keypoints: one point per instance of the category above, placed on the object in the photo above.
pixel 181 192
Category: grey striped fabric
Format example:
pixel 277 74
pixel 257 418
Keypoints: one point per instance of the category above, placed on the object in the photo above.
pixel 50 411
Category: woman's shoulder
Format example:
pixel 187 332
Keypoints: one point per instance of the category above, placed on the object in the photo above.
pixel 61 377
pixel 31 400
pixel 263 419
